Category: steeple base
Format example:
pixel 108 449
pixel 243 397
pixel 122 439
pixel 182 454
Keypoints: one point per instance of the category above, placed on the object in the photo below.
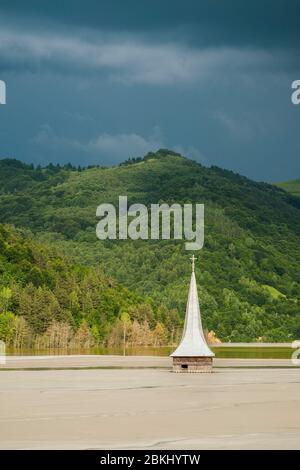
pixel 199 364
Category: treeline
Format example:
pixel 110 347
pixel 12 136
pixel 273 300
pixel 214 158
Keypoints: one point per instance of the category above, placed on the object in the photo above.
pixel 160 154
pixel 47 301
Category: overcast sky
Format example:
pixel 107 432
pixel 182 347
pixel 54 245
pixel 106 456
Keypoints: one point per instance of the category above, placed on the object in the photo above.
pixel 96 82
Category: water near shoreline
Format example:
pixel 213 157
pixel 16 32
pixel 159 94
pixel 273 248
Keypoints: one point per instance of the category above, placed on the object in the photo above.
pixel 221 351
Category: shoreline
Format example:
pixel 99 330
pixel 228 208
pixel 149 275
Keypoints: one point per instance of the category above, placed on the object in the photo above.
pixel 82 361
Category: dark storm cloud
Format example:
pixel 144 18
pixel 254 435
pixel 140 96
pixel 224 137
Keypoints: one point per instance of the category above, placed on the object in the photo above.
pixel 127 59
pixel 151 42
pixel 99 81
pixel 203 22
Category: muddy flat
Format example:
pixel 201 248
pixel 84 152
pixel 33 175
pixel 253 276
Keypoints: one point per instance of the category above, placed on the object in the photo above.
pixel 149 407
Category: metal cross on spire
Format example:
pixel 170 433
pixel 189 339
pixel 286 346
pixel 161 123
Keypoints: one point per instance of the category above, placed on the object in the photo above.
pixel 193 259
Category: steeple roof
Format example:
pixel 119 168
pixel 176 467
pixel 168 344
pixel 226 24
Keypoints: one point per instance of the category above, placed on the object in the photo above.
pixel 193 343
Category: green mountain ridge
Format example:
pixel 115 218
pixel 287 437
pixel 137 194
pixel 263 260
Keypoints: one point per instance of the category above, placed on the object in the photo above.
pixel 251 249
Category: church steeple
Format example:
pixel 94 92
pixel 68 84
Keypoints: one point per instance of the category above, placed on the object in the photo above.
pixel 193 345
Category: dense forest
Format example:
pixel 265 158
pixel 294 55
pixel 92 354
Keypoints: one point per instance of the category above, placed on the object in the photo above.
pixel 248 271
pixel 47 301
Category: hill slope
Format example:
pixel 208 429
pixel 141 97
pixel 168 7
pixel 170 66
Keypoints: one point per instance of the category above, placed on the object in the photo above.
pixel 252 235
pixel 48 301
pixel 292 187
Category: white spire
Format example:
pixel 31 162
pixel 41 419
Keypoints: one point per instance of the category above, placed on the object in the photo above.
pixel 193 342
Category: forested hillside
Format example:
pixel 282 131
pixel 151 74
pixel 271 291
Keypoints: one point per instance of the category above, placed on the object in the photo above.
pixel 46 301
pixel 248 271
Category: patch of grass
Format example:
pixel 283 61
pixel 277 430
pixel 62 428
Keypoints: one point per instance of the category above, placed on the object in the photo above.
pixel 292 187
pixel 274 293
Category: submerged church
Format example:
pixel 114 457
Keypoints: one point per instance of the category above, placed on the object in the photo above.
pixel 192 354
